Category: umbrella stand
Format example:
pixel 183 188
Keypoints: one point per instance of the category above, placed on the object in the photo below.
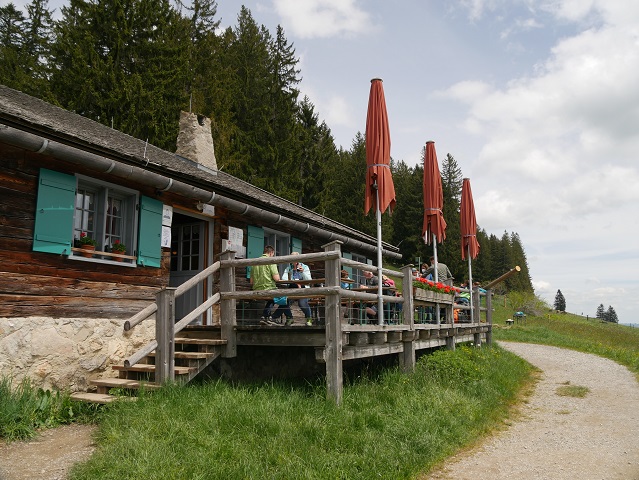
pixel 380 302
pixel 470 285
pixel 436 276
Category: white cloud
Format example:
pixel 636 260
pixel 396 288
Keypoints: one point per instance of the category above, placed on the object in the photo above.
pixel 323 18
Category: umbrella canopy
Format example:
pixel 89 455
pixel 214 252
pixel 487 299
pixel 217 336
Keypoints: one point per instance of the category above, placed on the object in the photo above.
pixel 378 152
pixel 434 223
pixel 468 222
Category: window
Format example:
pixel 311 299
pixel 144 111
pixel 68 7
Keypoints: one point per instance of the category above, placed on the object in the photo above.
pixel 358 275
pixel 259 237
pixel 107 214
pixel 70 207
pixel 281 243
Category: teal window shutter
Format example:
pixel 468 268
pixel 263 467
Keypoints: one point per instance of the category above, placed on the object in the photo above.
pixel 150 233
pixel 53 232
pixel 254 244
pixel 349 256
pixel 296 245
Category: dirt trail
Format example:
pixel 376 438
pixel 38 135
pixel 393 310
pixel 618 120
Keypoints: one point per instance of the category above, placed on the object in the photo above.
pixel 561 437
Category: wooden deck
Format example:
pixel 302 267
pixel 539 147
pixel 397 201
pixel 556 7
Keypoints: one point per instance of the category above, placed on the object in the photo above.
pixel 182 351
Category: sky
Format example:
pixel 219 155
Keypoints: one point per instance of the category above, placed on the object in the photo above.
pixel 537 101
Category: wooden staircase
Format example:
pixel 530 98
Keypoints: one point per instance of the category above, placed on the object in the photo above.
pixel 192 355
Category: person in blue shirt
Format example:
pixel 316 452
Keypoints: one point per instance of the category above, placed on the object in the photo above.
pixel 298 271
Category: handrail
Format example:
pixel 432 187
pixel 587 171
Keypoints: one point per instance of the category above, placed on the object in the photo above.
pixel 196 312
pixel 249 262
pixel 509 273
pixel 152 308
pixel 211 269
pixel 141 315
pixel 371 268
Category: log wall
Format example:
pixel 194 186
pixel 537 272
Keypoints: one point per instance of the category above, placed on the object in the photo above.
pixel 41 284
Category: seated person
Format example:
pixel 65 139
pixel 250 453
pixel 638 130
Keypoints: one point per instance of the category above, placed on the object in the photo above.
pixel 463 298
pixel 298 271
pixel 344 276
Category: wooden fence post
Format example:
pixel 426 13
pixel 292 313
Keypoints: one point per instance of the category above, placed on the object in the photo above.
pixel 407 357
pixel 489 316
pixel 165 336
pixel 228 310
pixel 334 373
pixel 477 314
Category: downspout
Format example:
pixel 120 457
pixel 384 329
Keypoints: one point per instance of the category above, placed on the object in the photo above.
pixel 34 143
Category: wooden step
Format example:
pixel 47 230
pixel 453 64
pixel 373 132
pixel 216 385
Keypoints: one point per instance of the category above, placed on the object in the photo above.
pixel 98 397
pixel 199 341
pixel 189 355
pixel 124 383
pixel 141 367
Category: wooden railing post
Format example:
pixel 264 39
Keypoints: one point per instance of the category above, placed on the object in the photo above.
pixel 228 311
pixel 333 355
pixel 407 358
pixel 164 335
pixel 489 316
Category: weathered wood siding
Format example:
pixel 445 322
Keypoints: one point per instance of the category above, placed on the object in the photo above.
pixel 41 284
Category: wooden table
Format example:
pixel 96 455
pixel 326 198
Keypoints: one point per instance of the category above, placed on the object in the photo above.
pixel 284 283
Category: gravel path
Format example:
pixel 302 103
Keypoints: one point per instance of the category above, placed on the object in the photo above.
pixel 560 437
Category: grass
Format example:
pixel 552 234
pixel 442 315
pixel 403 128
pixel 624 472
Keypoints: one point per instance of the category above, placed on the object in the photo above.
pixel 24 409
pixel 610 340
pixel 391 425
pixel 576 391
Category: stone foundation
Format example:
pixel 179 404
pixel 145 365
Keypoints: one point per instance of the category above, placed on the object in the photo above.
pixel 65 353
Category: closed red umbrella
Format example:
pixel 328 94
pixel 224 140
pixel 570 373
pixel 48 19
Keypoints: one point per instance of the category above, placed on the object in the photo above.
pixel 380 190
pixel 469 245
pixel 468 222
pixel 378 175
pixel 434 226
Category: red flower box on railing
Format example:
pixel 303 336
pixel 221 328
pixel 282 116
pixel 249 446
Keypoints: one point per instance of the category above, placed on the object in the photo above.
pixel 430 291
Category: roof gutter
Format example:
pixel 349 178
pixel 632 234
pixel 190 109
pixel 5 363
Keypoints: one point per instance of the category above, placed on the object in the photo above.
pixel 37 144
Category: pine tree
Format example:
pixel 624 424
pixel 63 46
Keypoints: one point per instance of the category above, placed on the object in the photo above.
pixel 520 282
pixel 25 55
pixel 449 251
pixel 408 216
pixel 124 64
pixel 560 302
pixel 611 315
pixel 601 312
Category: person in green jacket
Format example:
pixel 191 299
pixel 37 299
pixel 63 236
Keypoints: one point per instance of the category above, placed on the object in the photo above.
pixel 263 277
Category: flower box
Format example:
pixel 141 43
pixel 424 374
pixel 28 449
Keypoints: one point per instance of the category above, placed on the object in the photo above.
pixel 430 296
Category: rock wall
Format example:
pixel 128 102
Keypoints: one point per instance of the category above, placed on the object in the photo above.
pixel 65 353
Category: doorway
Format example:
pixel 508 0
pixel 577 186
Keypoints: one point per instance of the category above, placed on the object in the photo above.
pixel 189 256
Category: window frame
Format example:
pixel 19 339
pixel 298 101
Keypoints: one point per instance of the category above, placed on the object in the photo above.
pixel 128 234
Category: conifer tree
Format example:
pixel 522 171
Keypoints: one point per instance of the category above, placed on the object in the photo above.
pixel 449 251
pixel 560 302
pixel 601 312
pixel 611 315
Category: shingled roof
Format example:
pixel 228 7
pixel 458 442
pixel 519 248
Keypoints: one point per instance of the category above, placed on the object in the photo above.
pixel 27 113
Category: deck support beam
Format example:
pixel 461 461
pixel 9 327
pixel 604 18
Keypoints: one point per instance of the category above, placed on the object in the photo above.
pixel 407 358
pixel 228 311
pixel 164 335
pixel 334 372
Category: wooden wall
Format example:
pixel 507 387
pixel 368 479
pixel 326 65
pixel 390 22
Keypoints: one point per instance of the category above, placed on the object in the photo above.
pixel 41 284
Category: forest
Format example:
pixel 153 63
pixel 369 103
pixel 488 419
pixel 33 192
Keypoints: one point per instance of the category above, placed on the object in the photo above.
pixel 135 64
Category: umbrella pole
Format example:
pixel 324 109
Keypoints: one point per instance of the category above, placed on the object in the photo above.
pixel 470 284
pixel 436 276
pixel 380 302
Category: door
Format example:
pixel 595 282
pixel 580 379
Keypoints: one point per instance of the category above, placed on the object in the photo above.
pixel 187 260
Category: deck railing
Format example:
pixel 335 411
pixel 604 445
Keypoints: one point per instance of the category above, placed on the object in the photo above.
pixel 331 292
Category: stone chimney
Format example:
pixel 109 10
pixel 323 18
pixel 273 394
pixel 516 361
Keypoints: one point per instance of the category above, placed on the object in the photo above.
pixel 195 141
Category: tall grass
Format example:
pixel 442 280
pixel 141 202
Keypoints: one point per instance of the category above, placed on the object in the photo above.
pixel 24 409
pixel 392 426
pixel 610 340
